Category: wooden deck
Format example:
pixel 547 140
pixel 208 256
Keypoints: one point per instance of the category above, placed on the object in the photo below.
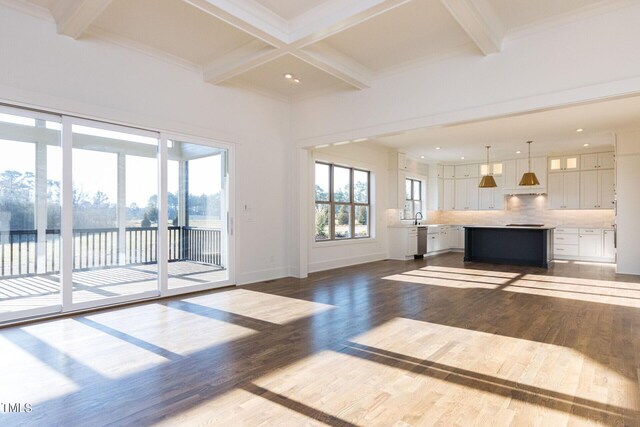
pixel 44 290
pixel 392 343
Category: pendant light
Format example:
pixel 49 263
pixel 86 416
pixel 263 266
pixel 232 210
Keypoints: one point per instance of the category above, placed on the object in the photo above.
pixel 529 178
pixel 487 180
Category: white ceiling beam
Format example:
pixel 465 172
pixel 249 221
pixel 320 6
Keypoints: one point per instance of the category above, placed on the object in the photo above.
pixel 335 63
pixel 73 17
pixel 335 16
pixel 241 60
pixel 478 19
pixel 246 16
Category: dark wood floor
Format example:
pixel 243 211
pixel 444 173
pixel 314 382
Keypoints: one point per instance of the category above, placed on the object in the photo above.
pixel 389 343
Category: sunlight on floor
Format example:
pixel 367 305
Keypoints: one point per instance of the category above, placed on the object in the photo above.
pixel 38 381
pixel 168 338
pixel 426 373
pixel 591 290
pixel 260 306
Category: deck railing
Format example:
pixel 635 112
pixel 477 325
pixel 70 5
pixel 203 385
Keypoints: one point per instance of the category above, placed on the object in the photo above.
pixel 103 247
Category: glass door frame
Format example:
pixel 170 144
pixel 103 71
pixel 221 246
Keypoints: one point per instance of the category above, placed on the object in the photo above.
pixel 66 229
pixel 165 137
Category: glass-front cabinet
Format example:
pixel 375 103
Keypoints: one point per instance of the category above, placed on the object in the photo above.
pixel 564 163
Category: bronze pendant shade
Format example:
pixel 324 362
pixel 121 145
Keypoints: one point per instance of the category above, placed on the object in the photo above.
pixel 487 180
pixel 529 178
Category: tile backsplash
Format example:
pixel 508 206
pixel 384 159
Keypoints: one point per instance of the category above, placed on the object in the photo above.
pixel 526 209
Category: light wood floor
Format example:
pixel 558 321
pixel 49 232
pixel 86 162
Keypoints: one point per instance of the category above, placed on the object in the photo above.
pixel 429 342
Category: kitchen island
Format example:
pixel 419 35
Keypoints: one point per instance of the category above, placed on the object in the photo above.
pixel 509 244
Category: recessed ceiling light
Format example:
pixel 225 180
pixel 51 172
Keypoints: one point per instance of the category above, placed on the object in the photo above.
pixel 462 158
pixel 437 148
pixel 422 157
pixel 296 80
pixel 288 76
pixel 518 152
pixel 585 145
pixel 579 130
pixel 360 139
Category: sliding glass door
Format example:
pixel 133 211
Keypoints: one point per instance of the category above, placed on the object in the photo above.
pixel 30 171
pixel 115 213
pixel 198 200
pixel 95 214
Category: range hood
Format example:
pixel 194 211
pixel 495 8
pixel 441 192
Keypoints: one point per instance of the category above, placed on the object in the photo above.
pixel 524 191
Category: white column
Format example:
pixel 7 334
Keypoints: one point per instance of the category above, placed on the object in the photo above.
pixel 122 208
pixel 628 202
pixel 41 203
pixel 300 237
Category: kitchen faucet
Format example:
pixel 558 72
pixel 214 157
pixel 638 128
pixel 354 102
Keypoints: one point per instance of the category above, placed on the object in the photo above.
pixel 415 220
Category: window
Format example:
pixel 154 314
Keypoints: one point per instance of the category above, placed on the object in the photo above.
pixel 342 202
pixel 413 198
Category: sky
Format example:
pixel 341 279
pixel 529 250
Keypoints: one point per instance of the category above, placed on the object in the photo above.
pixel 97 171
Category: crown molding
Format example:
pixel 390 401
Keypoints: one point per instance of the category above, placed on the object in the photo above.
pixel 29 8
pixel 127 43
pixel 542 25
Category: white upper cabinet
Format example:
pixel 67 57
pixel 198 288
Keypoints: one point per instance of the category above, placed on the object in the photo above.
pixel 492 198
pixel 494 168
pixel 589 190
pixel 402 161
pixel 440 171
pixel 466 194
pixel 448 194
pixel 563 191
pixel 597 161
pixel 589 161
pixel 597 189
pixel 466 171
pixel 607 188
pixel 564 163
pixel 512 171
pixel 449 171
pixel 606 160
pixel 509 174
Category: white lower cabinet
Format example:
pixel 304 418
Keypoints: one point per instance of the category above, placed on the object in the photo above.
pixel 591 245
pixel 403 242
pixel 609 244
pixel 588 244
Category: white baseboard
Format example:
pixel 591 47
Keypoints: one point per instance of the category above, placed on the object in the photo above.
pixel 261 275
pixel 346 262
pixel 585 259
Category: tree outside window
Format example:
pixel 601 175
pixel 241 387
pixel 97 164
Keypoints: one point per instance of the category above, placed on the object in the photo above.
pixel 342 202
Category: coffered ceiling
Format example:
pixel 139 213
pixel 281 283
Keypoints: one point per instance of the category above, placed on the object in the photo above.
pixel 331 45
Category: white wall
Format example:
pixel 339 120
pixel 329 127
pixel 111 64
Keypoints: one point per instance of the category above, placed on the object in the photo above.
pixel 92 78
pixel 326 255
pixel 628 201
pixel 585 60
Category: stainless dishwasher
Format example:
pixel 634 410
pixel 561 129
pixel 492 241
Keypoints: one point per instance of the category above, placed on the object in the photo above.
pixel 422 240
